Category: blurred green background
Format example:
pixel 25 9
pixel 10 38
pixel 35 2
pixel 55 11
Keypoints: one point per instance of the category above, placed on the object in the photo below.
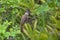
pixel 45 27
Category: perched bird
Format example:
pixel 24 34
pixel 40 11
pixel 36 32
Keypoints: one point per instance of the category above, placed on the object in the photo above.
pixel 24 19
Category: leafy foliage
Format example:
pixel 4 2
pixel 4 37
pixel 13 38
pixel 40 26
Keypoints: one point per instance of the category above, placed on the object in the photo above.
pixel 46 26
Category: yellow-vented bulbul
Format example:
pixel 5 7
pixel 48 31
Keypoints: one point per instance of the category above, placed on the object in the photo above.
pixel 24 19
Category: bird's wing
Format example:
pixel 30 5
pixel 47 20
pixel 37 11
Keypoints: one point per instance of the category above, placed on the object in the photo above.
pixel 23 19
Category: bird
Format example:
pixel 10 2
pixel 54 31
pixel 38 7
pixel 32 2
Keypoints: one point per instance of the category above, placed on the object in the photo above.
pixel 24 19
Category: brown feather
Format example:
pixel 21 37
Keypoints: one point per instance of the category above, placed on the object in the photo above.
pixel 23 20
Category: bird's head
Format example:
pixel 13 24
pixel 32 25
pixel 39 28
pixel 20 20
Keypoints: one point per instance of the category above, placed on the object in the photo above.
pixel 27 12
